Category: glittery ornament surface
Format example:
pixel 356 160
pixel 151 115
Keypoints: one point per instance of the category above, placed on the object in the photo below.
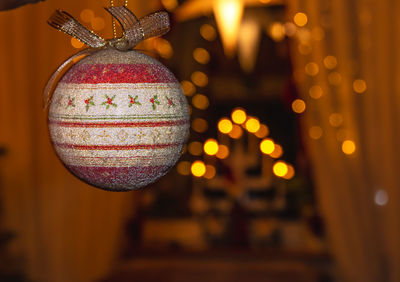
pixel 118 120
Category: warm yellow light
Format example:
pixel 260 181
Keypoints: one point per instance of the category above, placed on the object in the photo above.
pixel 252 125
pixel 223 152
pixel 211 147
pixel 263 131
pixel 208 32
pixel 298 106
pixel 330 62
pixel 267 146
pixel 198 168
pixel 188 88
pixel 290 173
pixel 200 101
pixel 195 148
pixel 348 147
pixel 201 55
pixel 312 69
pixel 316 92
pixel 170 5
pixel 280 169
pixel 199 78
pixel 225 125
pixel 98 23
pixel 87 15
pixel 228 14
pixel 210 172
pixel 334 78
pixel 199 125
pixel 76 43
pixel 183 168
pixel 336 119
pixel 277 153
pixel 163 48
pixel 315 132
pixel 248 44
pixel 359 86
pixel 239 116
pixel 236 132
pixel 300 19
pixel 277 31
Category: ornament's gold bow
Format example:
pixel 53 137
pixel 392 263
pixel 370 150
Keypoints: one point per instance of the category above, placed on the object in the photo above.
pixel 134 30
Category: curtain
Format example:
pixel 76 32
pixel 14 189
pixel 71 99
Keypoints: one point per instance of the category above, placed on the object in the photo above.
pixel 65 230
pixel 358 192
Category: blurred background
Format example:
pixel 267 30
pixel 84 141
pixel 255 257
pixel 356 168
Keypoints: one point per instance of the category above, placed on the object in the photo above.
pixel 289 174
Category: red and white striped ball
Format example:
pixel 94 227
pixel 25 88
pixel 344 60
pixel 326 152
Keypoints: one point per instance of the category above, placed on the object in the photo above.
pixel 118 120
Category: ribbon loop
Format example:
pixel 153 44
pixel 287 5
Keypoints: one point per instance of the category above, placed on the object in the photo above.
pixel 135 30
pixel 63 21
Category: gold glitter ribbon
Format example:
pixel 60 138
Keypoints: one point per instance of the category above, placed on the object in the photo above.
pixel 134 31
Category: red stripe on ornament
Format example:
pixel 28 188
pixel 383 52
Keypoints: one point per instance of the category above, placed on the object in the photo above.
pixel 119 124
pixel 117 147
pixel 118 73
pixel 119 178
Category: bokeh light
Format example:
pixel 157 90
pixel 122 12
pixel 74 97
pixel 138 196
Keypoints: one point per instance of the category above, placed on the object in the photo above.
pixel 198 168
pixel 252 125
pixel 348 147
pixel 236 132
pixel 290 173
pixel 267 146
pixel 98 23
pixel 183 168
pixel 316 92
pixel 170 5
pixel 199 78
pixel 223 152
pixel 300 19
pixel 87 15
pixel 312 69
pixel 304 48
pixel 208 32
pixel 298 106
pixel 200 101
pixel 195 148
pixel 76 43
pixel 210 172
pixel 276 31
pixel 188 88
pixel 315 132
pixel 277 153
pixel 334 78
pixel 336 119
pixel 317 33
pixel 263 131
pixel 201 55
pixel 199 125
pixel 239 115
pixel 330 62
pixel 163 47
pixel 211 147
pixel 290 29
pixel 225 125
pixel 280 169
pixel 359 86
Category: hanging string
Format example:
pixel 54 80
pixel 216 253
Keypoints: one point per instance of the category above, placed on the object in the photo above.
pixel 114 23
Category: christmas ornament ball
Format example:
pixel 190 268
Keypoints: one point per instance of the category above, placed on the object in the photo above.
pixel 118 120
